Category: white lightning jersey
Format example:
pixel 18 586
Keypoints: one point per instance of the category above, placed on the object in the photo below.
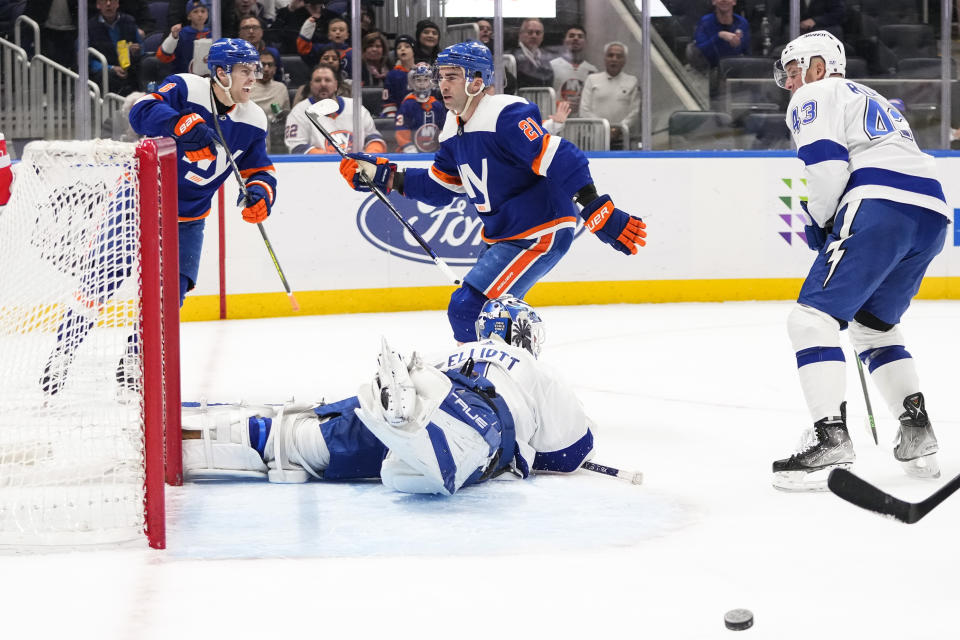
pixel 856 145
pixel 547 414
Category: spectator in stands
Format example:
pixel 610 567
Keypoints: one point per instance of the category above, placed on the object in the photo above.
pixel 302 137
pixel 421 115
pixel 612 94
pixel 395 84
pixel 819 15
pixel 485 32
pixel 290 19
pixel 428 42
pixel 554 124
pixel 58 29
pixel 251 30
pixel 139 10
pixel 246 9
pixel 229 23
pixel 533 63
pixel 315 34
pixel 570 70
pixel 267 91
pixel 368 21
pixel 375 64
pixel 117 37
pixel 177 48
pixel 720 34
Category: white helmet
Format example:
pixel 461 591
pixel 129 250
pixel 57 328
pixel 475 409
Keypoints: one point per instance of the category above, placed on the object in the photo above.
pixel 805 48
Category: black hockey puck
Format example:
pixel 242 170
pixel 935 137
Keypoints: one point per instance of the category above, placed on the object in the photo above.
pixel 738 619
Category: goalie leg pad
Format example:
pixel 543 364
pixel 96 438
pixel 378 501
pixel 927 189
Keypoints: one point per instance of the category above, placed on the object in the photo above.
pixel 224 444
pixel 820 361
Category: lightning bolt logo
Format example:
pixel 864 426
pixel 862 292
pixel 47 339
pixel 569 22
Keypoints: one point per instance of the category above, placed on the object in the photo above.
pixel 836 251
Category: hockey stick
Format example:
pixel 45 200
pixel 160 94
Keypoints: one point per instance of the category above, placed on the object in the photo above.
pixel 861 493
pixel 246 198
pixel 633 477
pixel 326 107
pixel 866 398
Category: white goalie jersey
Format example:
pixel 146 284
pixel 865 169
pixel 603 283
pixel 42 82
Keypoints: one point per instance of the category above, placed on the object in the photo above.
pixel 547 414
pixel 856 145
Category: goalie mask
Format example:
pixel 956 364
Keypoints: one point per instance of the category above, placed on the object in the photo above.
pixel 821 44
pixel 420 81
pixel 513 320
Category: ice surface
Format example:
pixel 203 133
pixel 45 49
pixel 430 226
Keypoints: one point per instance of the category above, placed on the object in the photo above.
pixel 700 397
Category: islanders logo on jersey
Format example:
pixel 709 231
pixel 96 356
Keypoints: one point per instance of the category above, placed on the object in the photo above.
pixel 452 231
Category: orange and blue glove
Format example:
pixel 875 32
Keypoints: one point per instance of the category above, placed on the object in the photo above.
pixel 194 137
pixel 617 228
pixel 257 205
pixel 378 171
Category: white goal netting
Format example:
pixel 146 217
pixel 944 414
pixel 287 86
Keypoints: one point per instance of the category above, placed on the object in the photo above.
pixel 71 426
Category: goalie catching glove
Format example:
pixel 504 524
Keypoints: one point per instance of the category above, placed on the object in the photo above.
pixel 360 170
pixel 617 228
pixel 194 137
pixel 257 205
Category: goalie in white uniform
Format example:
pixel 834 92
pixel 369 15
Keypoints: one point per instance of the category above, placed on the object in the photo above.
pixel 878 217
pixel 487 408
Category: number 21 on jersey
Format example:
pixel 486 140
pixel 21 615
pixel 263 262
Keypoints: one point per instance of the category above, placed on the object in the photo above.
pixel 530 128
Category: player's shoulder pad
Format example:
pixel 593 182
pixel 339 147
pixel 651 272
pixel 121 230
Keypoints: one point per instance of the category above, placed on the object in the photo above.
pixel 492 108
pixel 817 91
pixel 250 113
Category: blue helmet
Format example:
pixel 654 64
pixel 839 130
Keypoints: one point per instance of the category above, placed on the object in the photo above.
pixel 227 52
pixel 420 81
pixel 513 320
pixel 473 56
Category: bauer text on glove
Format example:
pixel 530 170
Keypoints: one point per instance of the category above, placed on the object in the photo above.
pixel 194 137
pixel 617 228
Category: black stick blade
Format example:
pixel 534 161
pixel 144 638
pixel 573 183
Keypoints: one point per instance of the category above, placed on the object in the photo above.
pixel 861 493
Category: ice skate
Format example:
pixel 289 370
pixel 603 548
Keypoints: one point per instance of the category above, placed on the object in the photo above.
pixel 916 445
pixel 824 447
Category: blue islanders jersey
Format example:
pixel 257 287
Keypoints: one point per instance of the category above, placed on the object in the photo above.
pixel 855 146
pixel 520 179
pixel 419 125
pixel 244 128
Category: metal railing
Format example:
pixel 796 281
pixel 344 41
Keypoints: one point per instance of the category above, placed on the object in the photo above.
pixel 53 96
pixel 14 91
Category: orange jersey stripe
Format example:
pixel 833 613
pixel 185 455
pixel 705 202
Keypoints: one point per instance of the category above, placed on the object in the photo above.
pixel 568 220
pixel 205 214
pixel 519 265
pixel 445 177
pixel 543 150
pixel 246 173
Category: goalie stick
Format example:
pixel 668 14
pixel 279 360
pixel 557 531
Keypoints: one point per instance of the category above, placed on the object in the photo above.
pixel 246 199
pixel 326 107
pixel 861 493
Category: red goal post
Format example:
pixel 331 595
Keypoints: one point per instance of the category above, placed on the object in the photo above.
pixel 89 329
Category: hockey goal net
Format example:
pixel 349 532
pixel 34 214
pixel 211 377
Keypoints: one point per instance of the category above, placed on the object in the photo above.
pixel 89 378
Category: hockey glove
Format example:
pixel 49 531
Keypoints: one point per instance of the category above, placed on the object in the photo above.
pixel 617 228
pixel 377 171
pixel 257 205
pixel 815 234
pixel 194 137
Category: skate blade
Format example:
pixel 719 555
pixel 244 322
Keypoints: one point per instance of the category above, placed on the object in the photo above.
pixel 923 467
pixel 805 481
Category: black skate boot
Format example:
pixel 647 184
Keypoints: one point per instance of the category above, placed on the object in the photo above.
pixel 824 447
pixel 916 445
